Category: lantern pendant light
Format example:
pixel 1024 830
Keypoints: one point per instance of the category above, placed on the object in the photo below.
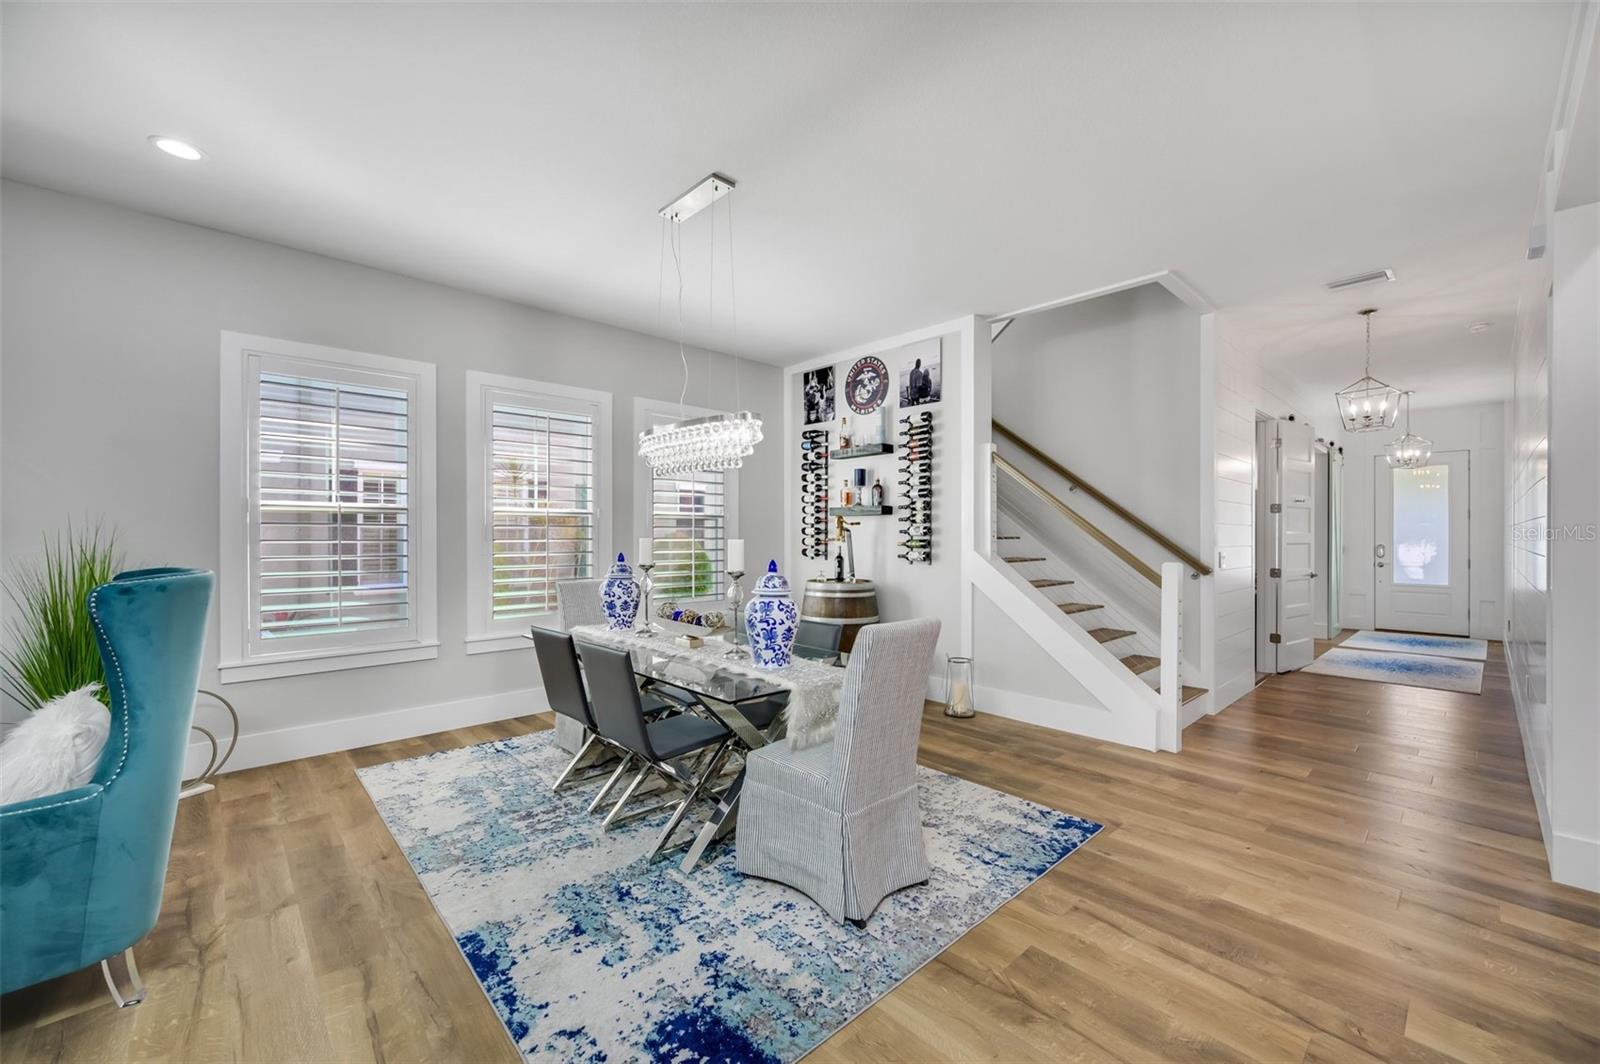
pixel 1410 451
pixel 1369 404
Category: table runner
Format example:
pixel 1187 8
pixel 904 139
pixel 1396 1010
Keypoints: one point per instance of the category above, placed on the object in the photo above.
pixel 814 686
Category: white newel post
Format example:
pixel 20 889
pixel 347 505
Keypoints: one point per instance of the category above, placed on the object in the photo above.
pixel 1170 730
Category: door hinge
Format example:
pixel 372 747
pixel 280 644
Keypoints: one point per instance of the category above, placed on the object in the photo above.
pixel 1275 573
pixel 1275 508
pixel 1274 638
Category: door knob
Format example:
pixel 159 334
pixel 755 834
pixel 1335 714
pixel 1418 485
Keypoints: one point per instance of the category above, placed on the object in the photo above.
pixel 1380 565
pixel 1313 576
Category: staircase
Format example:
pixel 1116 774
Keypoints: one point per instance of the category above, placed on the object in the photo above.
pixel 1136 649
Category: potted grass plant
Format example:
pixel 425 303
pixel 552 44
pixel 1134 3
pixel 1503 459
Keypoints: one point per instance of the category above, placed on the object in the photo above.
pixel 51 650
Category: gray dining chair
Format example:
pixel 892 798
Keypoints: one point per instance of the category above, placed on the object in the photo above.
pixel 684 751
pixel 840 820
pixel 568 697
pixel 577 602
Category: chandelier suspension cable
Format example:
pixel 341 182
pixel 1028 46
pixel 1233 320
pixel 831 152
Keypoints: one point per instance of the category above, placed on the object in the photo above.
pixel 677 263
pixel 711 298
pixel 733 310
pixel 1367 372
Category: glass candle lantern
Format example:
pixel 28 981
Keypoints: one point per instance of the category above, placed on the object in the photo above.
pixel 958 687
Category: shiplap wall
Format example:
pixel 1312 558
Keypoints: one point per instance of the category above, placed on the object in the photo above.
pixel 1244 386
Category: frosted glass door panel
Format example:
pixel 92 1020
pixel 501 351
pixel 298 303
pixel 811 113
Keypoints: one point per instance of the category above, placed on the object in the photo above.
pixel 1422 526
pixel 1420 545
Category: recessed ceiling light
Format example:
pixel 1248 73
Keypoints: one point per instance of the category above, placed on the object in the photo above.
pixel 178 149
pixel 1480 326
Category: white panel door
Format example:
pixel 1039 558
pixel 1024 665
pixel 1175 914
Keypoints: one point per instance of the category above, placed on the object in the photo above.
pixel 1420 563
pixel 1297 463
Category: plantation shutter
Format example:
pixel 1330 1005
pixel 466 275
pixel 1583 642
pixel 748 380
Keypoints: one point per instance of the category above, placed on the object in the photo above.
pixel 331 505
pixel 689 525
pixel 542 505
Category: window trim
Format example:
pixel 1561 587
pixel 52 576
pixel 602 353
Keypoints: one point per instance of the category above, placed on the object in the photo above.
pixel 484 634
pixel 239 660
pixel 646 414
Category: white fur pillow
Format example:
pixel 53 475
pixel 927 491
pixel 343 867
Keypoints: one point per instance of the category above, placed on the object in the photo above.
pixel 56 749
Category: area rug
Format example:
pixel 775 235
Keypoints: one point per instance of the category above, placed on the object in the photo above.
pixel 1413 670
pixel 1438 646
pixel 588 953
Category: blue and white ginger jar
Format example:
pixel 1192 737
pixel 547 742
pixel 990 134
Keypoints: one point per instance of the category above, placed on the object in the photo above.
pixel 770 620
pixel 619 597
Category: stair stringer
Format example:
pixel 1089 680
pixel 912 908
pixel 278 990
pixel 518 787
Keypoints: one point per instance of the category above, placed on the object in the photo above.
pixel 1133 709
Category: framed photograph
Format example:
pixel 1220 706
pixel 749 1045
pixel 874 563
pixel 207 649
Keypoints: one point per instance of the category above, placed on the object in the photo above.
pixel 920 380
pixel 816 395
pixel 866 386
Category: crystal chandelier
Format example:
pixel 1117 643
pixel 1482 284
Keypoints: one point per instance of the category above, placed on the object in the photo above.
pixel 1368 404
pixel 719 441
pixel 1410 451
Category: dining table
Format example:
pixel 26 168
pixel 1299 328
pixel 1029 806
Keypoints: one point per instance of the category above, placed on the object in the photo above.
pixel 722 678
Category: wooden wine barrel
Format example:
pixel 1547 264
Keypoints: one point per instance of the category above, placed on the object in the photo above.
pixel 851 604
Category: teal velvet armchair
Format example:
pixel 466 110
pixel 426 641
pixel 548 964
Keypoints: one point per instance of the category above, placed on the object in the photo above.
pixel 81 872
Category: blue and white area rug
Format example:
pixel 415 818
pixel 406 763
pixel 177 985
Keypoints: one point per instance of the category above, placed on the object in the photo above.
pixel 1439 646
pixel 587 953
pixel 1413 670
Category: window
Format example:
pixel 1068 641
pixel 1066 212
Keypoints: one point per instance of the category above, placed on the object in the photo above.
pixel 327 509
pixel 690 518
pixel 537 463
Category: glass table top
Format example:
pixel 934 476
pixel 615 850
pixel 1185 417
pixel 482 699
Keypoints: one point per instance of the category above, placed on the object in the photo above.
pixel 695 671
pixel 669 664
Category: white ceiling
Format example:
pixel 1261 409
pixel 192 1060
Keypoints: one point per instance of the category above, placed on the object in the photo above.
pixel 898 165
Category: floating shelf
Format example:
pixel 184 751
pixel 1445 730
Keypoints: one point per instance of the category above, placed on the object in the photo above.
pixel 867 451
pixel 860 511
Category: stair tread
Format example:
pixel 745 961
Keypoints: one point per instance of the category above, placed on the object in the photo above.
pixel 1079 607
pixel 1106 635
pixel 1049 583
pixel 1188 694
pixel 1017 561
pixel 1141 662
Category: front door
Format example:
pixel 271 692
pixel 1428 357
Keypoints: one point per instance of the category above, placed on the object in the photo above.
pixel 1420 562
pixel 1288 501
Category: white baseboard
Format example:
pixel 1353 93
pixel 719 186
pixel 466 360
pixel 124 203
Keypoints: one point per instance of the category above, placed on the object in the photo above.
pixel 1575 861
pixel 349 733
pixel 1092 722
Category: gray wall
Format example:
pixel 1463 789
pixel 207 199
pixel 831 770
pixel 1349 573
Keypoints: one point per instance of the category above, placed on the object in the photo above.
pixel 111 397
pixel 1111 388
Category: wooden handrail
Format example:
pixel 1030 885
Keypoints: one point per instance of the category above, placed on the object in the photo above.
pixel 1127 556
pixel 1102 498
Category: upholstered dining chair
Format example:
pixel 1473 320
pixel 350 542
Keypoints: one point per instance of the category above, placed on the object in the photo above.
pixel 684 751
pixel 577 602
pixel 840 820
pixel 564 688
pixel 81 872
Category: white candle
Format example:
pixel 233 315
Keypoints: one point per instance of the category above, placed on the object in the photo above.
pixel 647 551
pixel 735 555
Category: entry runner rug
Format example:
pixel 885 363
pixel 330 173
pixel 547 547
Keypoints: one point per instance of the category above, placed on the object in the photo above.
pixel 588 953
pixel 1413 670
pixel 1439 646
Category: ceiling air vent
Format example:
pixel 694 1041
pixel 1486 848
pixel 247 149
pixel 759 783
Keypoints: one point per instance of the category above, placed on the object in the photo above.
pixel 1375 277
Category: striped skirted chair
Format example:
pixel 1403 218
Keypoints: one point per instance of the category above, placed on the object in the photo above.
pixel 840 820
pixel 81 872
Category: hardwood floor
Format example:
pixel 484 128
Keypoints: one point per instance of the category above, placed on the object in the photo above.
pixel 1332 870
